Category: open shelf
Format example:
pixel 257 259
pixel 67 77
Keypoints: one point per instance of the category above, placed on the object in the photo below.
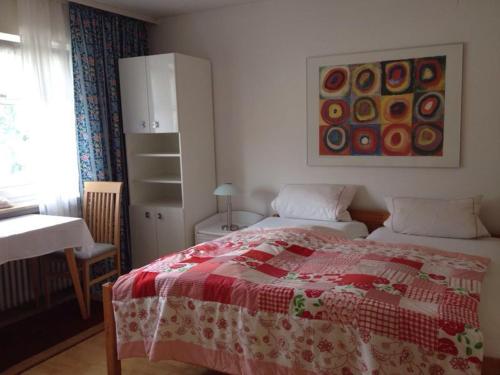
pixel 153 144
pixel 168 179
pixel 154 165
pixel 157 155
pixel 156 191
pixel 177 203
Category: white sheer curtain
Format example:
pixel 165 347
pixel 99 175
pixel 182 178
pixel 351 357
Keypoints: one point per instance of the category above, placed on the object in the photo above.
pixel 48 103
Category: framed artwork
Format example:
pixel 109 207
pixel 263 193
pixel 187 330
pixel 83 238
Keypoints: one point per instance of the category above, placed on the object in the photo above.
pixel 385 108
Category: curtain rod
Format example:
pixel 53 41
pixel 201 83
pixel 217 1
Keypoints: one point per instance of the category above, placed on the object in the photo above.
pixel 112 9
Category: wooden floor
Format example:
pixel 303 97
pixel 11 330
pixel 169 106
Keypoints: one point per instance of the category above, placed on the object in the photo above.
pixel 88 358
pixel 30 334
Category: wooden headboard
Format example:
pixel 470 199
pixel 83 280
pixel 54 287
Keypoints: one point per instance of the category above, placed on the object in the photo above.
pixel 375 219
pixel 372 219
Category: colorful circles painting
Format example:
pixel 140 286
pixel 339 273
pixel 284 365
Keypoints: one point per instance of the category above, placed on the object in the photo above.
pixel 396 140
pixel 393 108
pixel 397 108
pixel 366 79
pixel 429 106
pixel 365 110
pixel 397 77
pixel 430 74
pixel 334 111
pixel 427 139
pixel 336 138
pixel 335 81
pixel 365 140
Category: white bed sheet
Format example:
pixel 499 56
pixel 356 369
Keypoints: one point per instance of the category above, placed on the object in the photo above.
pixel 489 307
pixel 352 229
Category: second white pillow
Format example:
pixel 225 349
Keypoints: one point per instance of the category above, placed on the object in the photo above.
pixel 452 218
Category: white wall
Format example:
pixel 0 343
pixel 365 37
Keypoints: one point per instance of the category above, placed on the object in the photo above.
pixel 258 53
pixel 8 17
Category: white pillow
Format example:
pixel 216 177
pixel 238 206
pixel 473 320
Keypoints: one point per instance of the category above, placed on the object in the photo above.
pixel 452 218
pixel 315 202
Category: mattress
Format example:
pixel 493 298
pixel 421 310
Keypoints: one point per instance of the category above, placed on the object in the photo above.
pixel 352 229
pixel 487 247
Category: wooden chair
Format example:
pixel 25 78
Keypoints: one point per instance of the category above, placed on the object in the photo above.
pixel 101 211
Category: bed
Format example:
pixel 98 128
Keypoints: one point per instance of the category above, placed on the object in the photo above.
pixel 487 247
pixel 302 301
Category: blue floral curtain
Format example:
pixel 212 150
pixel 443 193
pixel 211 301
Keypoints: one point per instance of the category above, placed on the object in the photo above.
pixel 98 40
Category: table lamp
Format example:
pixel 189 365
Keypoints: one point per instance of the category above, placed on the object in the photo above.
pixel 227 190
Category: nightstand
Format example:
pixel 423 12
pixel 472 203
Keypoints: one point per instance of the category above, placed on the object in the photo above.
pixel 211 228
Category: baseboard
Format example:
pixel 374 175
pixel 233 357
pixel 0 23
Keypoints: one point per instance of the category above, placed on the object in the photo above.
pixel 53 351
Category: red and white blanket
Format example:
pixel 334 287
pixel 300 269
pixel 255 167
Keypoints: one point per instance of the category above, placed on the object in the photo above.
pixel 297 301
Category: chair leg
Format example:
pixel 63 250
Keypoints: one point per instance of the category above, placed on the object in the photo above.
pixel 86 284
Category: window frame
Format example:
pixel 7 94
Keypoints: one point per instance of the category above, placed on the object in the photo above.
pixel 22 206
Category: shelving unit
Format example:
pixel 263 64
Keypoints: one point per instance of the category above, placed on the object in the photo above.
pixel 157 155
pixel 154 161
pixel 168 125
pixel 164 203
pixel 162 180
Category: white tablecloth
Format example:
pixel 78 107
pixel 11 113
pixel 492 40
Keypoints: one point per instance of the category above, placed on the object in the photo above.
pixel 30 236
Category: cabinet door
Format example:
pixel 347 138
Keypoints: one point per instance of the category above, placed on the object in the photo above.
pixel 134 95
pixel 143 232
pixel 170 229
pixel 162 94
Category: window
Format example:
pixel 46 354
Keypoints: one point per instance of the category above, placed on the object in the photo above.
pixel 16 166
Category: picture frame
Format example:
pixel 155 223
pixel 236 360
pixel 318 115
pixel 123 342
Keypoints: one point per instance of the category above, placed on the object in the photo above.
pixel 392 108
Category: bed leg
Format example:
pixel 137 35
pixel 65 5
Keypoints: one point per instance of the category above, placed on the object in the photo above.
pixel 113 363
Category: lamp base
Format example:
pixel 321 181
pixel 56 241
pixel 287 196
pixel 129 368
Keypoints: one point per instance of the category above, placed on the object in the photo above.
pixel 231 228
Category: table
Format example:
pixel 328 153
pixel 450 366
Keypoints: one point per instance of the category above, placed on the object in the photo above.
pixel 31 236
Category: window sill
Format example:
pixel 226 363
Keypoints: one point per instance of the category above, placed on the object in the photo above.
pixel 18 210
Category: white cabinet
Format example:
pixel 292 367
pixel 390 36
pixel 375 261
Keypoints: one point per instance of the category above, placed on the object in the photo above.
pixel 169 229
pixel 134 99
pixel 143 235
pixel 162 93
pixel 155 232
pixel 149 100
pixel 169 134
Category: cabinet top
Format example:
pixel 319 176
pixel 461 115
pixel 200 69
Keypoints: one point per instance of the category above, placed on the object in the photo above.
pixel 213 224
pixel 171 55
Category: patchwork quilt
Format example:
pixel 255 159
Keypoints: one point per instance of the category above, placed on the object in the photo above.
pixel 299 301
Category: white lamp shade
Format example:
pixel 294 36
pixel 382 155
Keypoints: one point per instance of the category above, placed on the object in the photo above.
pixel 226 189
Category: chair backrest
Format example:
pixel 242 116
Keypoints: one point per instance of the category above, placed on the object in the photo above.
pixel 101 210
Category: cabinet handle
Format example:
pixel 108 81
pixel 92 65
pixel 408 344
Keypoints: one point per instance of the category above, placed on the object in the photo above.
pixel 156 124
pixel 143 124
pixel 160 216
pixel 147 215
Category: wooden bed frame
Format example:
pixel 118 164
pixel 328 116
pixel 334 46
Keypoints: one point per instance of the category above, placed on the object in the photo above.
pixel 372 219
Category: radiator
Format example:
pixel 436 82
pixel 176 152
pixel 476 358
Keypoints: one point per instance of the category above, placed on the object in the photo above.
pixel 15 283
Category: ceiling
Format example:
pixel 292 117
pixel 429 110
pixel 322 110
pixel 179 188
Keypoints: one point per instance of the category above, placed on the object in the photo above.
pixel 162 8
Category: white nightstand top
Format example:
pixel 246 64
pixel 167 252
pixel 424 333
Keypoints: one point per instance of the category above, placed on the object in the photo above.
pixel 213 225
